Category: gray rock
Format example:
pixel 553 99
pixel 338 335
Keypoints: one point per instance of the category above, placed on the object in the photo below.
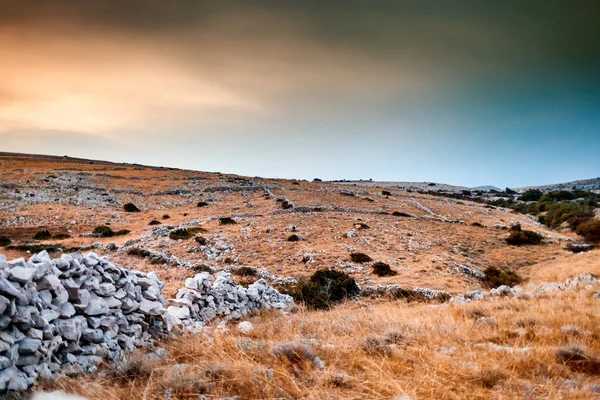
pixel 22 274
pixel 96 306
pixel 66 310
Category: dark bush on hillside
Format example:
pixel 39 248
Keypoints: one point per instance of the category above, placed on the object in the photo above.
pixel 359 257
pixel 154 222
pixel 130 207
pixel 579 248
pixel 166 216
pixel 201 240
pixel 531 195
pixel 4 241
pixel 516 228
pixel 293 238
pixel 386 193
pixel 400 214
pixel 227 221
pixel 519 238
pixel 103 231
pixel 202 204
pixel 324 288
pixel 122 232
pixel 495 277
pixel 61 236
pixel 477 224
pixel 590 230
pixel 382 269
pixel 317 180
pixel 42 235
pixel 556 195
pixel 245 271
pixel 179 234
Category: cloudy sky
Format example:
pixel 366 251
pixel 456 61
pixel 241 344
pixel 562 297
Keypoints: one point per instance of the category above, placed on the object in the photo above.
pixel 462 92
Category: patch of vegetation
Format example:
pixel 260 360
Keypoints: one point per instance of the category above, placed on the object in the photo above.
pixel 360 257
pixel 386 193
pixel 578 359
pixel 154 222
pixel 4 241
pixel 531 195
pixel 382 269
pixel 400 214
pixel 495 277
pixel 227 221
pixel 201 240
pixel 324 288
pixel 590 230
pixel 202 204
pixel 572 213
pixel 130 207
pixel 166 216
pixel 105 231
pixel 246 271
pixel 293 238
pixel 196 229
pixel 477 224
pixel 179 234
pixel 42 235
pixel 36 248
pixel 579 248
pixel 519 237
pixel 61 236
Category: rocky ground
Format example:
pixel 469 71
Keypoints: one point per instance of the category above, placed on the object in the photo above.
pixel 287 230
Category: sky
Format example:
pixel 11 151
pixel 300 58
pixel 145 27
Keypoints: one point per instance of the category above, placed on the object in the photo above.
pixel 471 93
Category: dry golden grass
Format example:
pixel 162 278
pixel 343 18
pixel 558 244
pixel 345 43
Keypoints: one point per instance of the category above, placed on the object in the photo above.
pixel 504 348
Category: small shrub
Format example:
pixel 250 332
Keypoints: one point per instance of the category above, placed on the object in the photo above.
pixel 386 193
pixel 519 238
pixel 103 231
pixel 324 288
pixel 531 195
pixel 4 241
pixel 579 248
pixel 590 230
pixel 122 232
pixel 179 234
pixel 317 180
pixel 135 367
pixel 400 214
pixel 293 238
pixel 360 257
pixel 296 353
pixel 516 228
pixel 130 207
pixel 61 236
pixel 382 269
pixel 477 224
pixel 490 378
pixel 227 221
pixel 376 345
pixel 42 235
pixel 196 229
pixel 201 240
pixel 202 204
pixel 495 277
pixel 154 222
pixel 166 216
pixel 246 271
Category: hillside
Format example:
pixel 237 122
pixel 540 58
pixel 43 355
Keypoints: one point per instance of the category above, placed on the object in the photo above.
pixel 370 347
pixel 584 184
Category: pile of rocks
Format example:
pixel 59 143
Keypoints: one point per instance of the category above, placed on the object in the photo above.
pixel 67 315
pixel 205 298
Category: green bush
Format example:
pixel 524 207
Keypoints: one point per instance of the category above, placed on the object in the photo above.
pixel 360 257
pixel 519 238
pixel 226 221
pixel 573 213
pixel 154 222
pixel 4 241
pixel 590 230
pixel 130 207
pixel 179 234
pixel 531 195
pixel 382 269
pixel 556 196
pixel 495 277
pixel 42 235
pixel 324 288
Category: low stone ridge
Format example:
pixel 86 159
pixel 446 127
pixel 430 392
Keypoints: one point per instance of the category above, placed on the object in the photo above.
pixel 205 298
pixel 65 316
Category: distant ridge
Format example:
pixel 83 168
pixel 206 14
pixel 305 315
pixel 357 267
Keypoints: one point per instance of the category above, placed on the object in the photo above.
pixel 486 187
pixel 584 184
